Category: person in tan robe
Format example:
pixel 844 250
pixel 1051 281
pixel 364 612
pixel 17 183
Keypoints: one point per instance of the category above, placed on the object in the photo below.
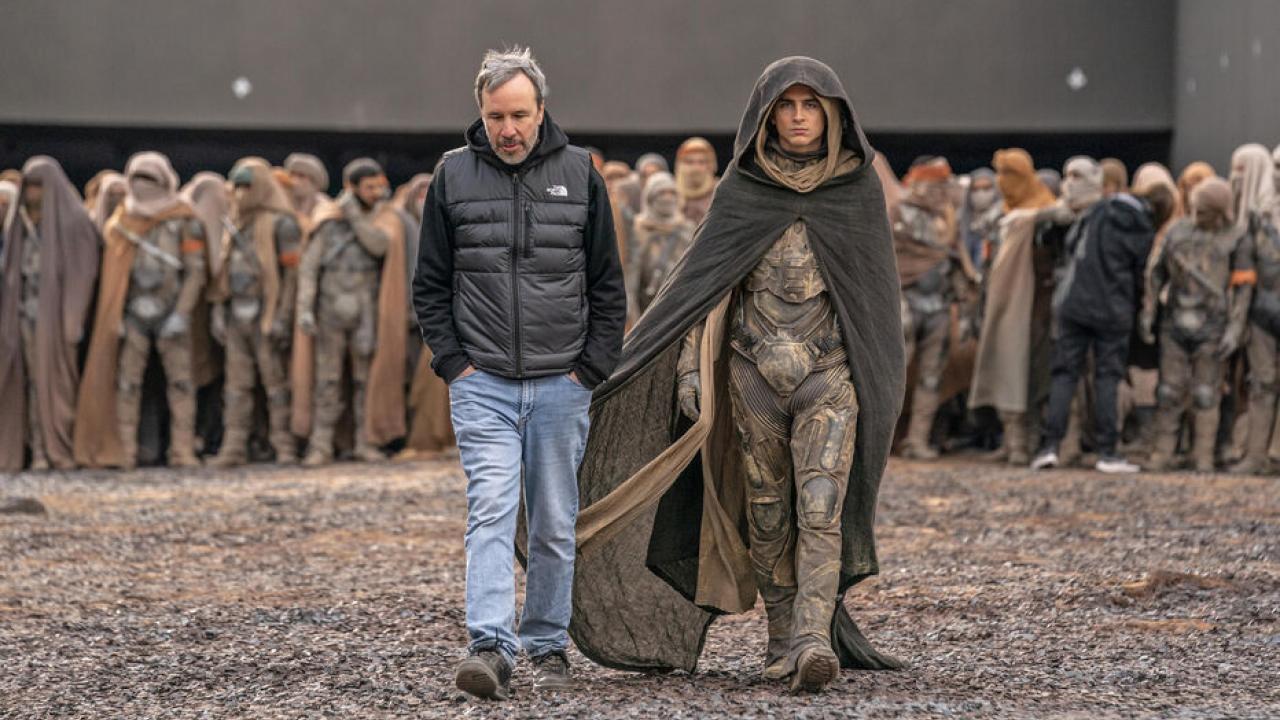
pixel 696 168
pixel 152 278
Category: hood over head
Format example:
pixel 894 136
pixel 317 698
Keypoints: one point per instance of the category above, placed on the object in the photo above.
pixel 309 166
pixel 1251 182
pixel 153 184
pixel 1019 185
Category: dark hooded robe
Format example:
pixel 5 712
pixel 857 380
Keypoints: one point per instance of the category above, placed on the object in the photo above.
pixel 662 531
pixel 70 247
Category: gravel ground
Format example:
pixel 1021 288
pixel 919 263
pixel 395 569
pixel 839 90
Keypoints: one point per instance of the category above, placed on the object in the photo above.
pixel 272 592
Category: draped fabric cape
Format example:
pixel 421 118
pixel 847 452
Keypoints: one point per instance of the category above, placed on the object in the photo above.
pixel 384 395
pixel 1002 368
pixel 97 440
pixel 662 545
pixel 256 217
pixel 207 194
pixel 69 247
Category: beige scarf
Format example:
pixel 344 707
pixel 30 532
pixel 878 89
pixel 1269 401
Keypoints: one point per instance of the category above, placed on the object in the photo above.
pixel 805 175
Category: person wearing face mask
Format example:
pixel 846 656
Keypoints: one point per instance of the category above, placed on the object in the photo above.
pixel 48 266
pixel 351 290
pixel 153 275
pixel 1206 269
pixel 253 320
pixel 1095 305
pixel 934 275
pixel 661 236
pixel 1016 307
pixel 1256 210
pixel 978 216
pixel 695 177
pixel 111 192
pixel 1081 186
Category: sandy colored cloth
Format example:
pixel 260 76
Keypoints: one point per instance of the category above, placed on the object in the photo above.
pixel 1191 176
pixel 101 210
pixel 1115 176
pixel 147 199
pixel 256 216
pixel 661 543
pixel 1251 169
pixel 69 250
pixel 97 440
pixel 207 195
pixel 384 394
pixel 1019 185
pixel 430 425
pixel 1145 178
pixel 916 258
pixel 407 195
pixel 1002 367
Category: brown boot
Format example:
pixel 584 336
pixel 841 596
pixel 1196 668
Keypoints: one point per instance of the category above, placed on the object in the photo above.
pixel 1206 436
pixel 778 607
pixel 234 449
pixel 1015 438
pixel 1167 422
pixel 1262 411
pixel 816 667
pixel 924 404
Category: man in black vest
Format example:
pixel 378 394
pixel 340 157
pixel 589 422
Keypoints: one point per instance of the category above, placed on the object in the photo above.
pixel 519 294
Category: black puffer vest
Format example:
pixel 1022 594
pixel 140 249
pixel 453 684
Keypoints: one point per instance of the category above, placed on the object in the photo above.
pixel 519 283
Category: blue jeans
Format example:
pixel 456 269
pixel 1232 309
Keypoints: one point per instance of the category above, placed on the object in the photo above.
pixel 504 426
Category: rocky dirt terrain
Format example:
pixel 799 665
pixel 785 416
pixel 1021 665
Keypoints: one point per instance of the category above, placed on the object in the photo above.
pixel 272 592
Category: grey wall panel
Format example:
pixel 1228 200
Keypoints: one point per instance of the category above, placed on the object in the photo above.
pixel 614 65
pixel 1228 79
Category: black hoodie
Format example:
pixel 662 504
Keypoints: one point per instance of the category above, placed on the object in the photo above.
pixel 1108 250
pixel 514 307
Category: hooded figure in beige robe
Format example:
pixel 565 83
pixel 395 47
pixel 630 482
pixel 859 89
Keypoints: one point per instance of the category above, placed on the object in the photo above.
pixel 153 277
pixel 696 168
pixel 50 265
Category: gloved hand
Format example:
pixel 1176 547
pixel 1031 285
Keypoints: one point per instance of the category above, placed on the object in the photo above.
pixel 281 333
pixel 175 325
pixel 1146 330
pixel 689 392
pixel 218 324
pixel 1229 343
pixel 363 341
pixel 307 322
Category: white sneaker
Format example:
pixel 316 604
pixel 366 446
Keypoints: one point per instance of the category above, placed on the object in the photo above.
pixel 1046 459
pixel 1115 465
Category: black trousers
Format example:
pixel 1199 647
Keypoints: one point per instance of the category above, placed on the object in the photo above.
pixel 1110 350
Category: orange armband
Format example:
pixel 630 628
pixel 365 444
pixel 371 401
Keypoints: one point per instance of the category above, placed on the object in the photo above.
pixel 290 258
pixel 1244 277
pixel 192 245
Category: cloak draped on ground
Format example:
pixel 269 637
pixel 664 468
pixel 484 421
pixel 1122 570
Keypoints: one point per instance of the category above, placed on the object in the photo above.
pixel 662 532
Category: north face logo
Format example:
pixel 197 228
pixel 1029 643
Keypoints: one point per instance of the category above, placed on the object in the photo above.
pixel 558 191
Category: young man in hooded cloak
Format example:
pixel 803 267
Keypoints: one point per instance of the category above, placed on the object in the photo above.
pixel 739 446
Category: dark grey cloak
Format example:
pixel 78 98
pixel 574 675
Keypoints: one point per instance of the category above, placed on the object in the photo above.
pixel 633 593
